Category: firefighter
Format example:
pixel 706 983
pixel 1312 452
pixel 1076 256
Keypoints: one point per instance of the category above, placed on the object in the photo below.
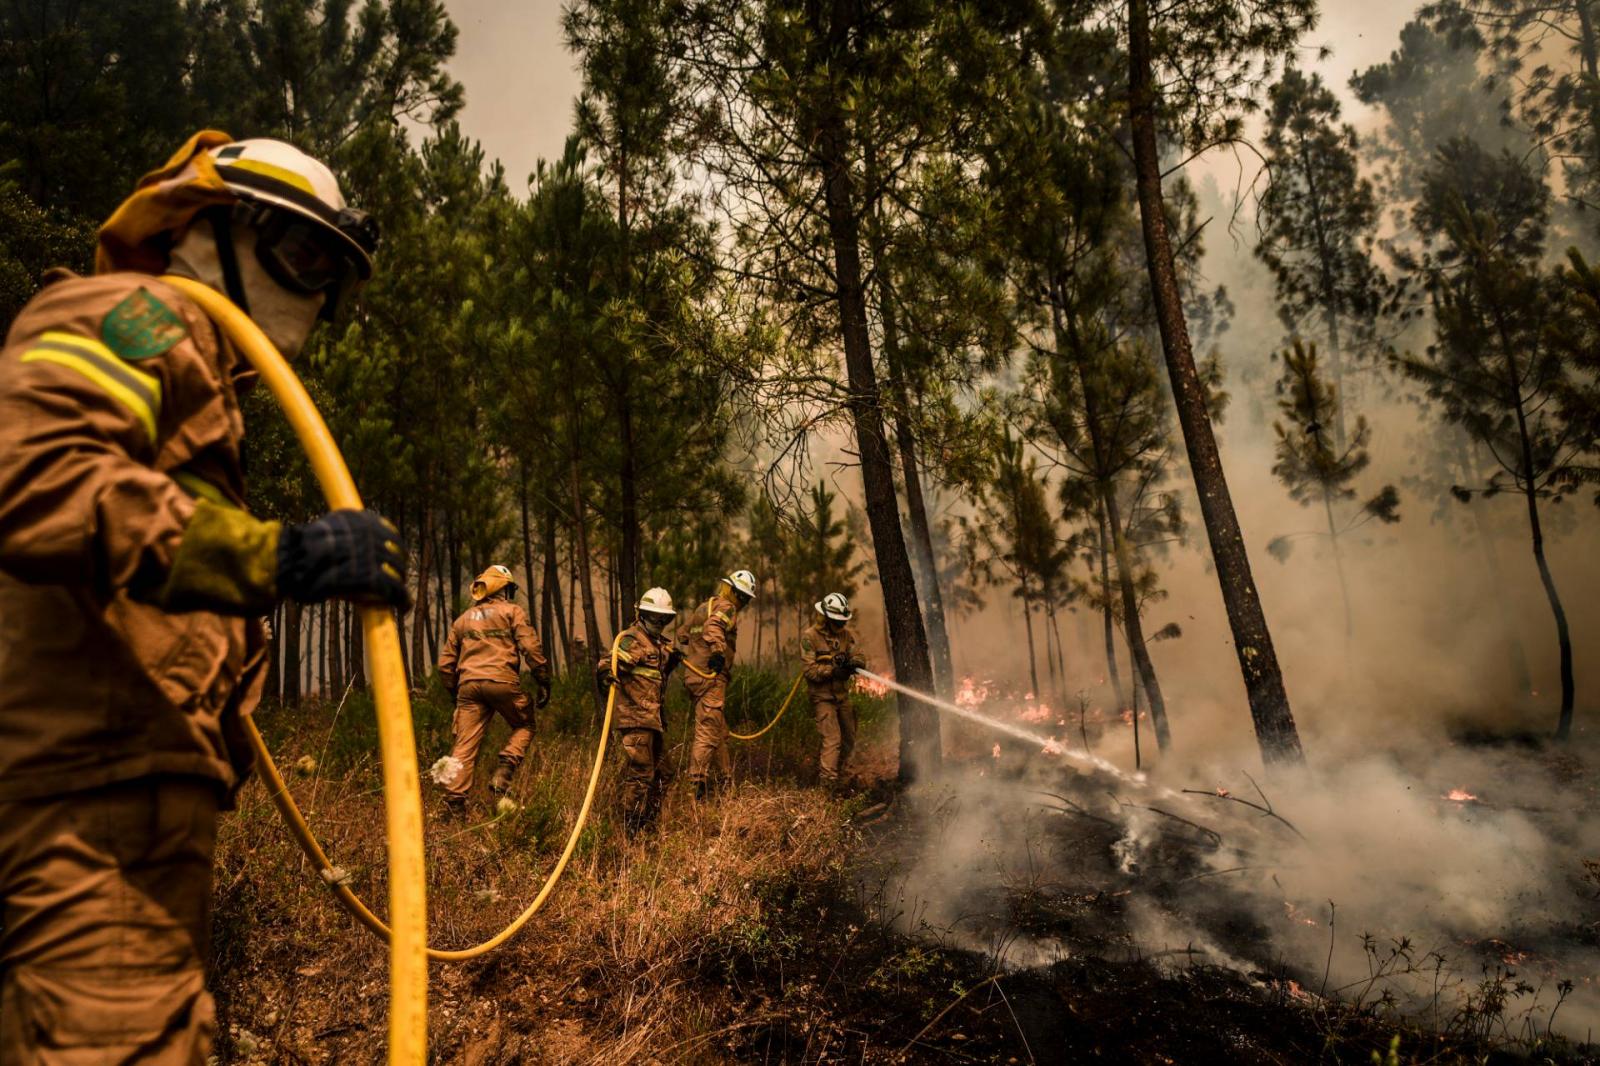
pixel 645 660
pixel 708 643
pixel 829 659
pixel 479 668
pixel 132 584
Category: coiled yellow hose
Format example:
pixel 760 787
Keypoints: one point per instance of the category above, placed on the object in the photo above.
pixel 408 967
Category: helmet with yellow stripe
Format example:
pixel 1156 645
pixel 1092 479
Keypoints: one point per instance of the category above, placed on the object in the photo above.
pixel 264 171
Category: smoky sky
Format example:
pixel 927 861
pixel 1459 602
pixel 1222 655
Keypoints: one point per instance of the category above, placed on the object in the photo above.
pixel 521 80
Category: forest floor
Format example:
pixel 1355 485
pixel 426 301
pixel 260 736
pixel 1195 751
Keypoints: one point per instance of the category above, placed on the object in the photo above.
pixel 773 925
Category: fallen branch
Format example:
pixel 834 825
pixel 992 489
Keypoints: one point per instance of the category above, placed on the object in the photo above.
pixel 1265 806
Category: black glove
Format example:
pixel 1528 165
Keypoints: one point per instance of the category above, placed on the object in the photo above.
pixel 842 668
pixel 345 555
pixel 543 700
pixel 717 662
pixel 674 657
pixel 603 677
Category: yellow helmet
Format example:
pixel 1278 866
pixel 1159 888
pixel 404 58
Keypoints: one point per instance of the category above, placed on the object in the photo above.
pixel 491 581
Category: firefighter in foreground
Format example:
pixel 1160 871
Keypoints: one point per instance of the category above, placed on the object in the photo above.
pixel 828 658
pixel 479 668
pixel 645 660
pixel 709 642
pixel 132 581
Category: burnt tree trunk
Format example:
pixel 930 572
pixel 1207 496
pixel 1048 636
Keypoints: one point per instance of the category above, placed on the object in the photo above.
pixel 291 652
pixel 1258 660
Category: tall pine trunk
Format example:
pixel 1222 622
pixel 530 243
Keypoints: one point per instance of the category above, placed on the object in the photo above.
pixel 927 567
pixel 1033 661
pixel 920 752
pixel 1258 660
pixel 291 653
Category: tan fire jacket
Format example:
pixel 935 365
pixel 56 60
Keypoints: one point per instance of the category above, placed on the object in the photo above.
pixel 643 666
pixel 113 390
pixel 485 642
pixel 713 627
pixel 820 648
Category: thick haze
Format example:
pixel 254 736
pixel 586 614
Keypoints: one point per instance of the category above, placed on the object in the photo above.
pixel 520 80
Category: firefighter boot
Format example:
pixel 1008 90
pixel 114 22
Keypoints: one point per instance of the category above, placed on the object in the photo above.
pixel 500 783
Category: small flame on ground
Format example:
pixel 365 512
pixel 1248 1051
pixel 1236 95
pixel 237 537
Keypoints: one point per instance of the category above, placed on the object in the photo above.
pixel 971 692
pixel 1035 712
pixel 997 751
pixel 1296 915
pixel 1460 795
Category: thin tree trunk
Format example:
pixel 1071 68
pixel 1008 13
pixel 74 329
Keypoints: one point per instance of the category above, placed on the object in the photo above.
pixel 920 752
pixel 424 575
pixel 1107 613
pixel 273 686
pixel 1132 624
pixel 1258 660
pixel 591 621
pixel 1138 756
pixel 1033 663
pixel 927 569
pixel 1338 566
pixel 292 612
pixel 358 653
pixel 531 592
pixel 453 542
pixel 629 558
pixel 550 612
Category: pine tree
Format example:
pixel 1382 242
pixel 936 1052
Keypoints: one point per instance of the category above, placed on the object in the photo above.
pixel 1496 368
pixel 1315 468
pixel 1318 219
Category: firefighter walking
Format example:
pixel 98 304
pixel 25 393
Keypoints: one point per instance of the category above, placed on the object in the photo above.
pixel 709 642
pixel 645 661
pixel 132 583
pixel 478 666
pixel 829 658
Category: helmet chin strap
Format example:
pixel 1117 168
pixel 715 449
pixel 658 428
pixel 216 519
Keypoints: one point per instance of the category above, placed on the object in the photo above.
pixel 221 219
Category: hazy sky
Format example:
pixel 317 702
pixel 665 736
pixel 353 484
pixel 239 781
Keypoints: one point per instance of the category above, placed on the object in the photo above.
pixel 521 83
pixel 519 78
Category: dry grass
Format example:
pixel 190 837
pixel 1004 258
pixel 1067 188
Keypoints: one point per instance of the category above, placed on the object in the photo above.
pixel 623 963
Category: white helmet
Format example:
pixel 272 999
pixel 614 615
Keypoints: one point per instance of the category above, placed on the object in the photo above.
pixel 265 171
pixel 743 581
pixel 307 239
pixel 834 606
pixel 657 601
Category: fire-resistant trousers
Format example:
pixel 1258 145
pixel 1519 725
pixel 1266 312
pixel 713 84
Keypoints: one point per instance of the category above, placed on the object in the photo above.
pixel 477 702
pixel 105 901
pixel 836 725
pixel 708 758
pixel 644 774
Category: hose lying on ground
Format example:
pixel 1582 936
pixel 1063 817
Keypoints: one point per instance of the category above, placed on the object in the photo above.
pixel 786 701
pixel 408 969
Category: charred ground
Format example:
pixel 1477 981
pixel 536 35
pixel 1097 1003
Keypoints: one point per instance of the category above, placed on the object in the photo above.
pixel 780 926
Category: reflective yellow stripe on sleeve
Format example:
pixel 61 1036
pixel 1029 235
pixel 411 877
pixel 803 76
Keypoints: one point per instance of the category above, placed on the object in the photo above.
pixel 139 392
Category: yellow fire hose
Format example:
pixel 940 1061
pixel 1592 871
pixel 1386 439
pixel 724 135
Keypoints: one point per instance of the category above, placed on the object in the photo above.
pixel 408 1005
pixel 408 967
pixel 786 701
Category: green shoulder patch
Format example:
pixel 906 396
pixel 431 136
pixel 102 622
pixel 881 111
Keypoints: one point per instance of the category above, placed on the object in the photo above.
pixel 142 327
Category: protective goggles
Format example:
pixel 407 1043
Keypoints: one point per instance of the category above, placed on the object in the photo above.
pixel 306 257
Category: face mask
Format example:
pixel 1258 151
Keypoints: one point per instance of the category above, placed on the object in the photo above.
pixel 653 626
pixel 285 317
